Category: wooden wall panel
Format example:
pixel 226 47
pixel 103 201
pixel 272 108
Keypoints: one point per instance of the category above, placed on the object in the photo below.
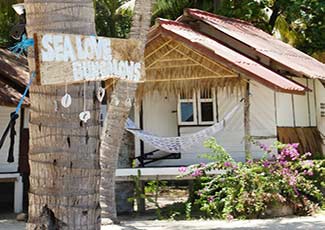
pixel 309 138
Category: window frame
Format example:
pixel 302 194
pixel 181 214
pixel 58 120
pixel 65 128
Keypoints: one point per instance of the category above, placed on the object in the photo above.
pixel 179 111
pixel 214 107
pixel 196 100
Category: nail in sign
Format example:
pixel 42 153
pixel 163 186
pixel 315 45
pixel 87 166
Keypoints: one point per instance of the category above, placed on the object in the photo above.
pixel 64 58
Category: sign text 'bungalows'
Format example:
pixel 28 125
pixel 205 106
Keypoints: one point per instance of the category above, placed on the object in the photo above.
pixel 66 59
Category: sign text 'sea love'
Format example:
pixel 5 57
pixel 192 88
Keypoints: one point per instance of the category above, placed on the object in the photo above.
pixel 88 58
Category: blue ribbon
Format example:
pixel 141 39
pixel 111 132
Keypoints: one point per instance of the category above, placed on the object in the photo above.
pixel 22 46
pixel 32 76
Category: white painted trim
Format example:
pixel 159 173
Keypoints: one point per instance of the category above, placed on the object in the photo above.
pixel 137 142
pixel 9 175
pixel 18 200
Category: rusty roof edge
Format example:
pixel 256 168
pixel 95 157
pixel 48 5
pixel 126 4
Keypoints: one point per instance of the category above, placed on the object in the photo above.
pixel 188 10
pixel 275 87
pixel 281 64
pixel 187 13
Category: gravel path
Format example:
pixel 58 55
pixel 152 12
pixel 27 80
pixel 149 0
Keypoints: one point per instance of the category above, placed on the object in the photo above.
pixel 316 222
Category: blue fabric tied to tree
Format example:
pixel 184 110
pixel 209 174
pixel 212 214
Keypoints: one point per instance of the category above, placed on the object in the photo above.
pixel 22 46
pixel 18 49
pixel 11 126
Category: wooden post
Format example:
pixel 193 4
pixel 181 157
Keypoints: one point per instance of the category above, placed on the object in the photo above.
pixel 247 128
pixel 191 191
pixel 140 191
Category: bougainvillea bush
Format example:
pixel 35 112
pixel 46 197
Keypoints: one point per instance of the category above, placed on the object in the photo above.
pixel 247 190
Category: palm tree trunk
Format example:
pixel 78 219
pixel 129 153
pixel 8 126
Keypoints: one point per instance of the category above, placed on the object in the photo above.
pixel 64 153
pixel 113 130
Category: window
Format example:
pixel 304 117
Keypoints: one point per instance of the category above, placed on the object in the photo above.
pixel 187 110
pixel 206 113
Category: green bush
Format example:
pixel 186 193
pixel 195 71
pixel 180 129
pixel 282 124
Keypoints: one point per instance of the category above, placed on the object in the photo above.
pixel 247 190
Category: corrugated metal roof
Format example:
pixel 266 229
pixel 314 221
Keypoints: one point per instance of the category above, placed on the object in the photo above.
pixel 263 43
pixel 224 55
pixel 14 68
pixel 10 96
pixel 14 77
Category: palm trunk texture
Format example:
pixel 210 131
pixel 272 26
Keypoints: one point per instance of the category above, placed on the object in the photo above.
pixel 64 152
pixel 113 130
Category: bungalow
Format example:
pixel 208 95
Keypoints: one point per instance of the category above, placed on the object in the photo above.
pixel 200 66
pixel 14 77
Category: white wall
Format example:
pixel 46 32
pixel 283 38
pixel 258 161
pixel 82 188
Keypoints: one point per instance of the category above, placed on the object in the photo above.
pixel 262 122
pixel 268 110
pixel 296 110
pixel 4 120
pixel 312 102
pixel 159 117
pixel 320 98
pixel 262 117
pixel 231 138
pixel 284 110
pixel 301 107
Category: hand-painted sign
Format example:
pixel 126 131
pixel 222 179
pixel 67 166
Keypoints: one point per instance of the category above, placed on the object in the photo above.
pixel 65 58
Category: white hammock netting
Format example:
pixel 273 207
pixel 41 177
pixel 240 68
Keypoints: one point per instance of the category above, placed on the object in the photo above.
pixel 182 143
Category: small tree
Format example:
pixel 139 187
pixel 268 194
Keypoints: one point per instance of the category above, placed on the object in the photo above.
pixel 117 114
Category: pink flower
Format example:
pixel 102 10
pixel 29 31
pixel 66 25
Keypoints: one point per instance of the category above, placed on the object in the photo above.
pixel 296 190
pixel 228 164
pixel 266 164
pixel 182 169
pixel 197 172
pixel 290 152
pixel 308 154
pixel 295 145
pixel 210 199
pixel 230 217
pixel 264 147
pixel 292 180
pixel 309 173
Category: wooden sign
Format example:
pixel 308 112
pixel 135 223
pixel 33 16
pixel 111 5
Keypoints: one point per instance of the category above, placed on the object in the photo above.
pixel 66 59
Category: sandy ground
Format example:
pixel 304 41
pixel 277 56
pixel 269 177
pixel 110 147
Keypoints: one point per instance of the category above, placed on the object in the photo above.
pixel 316 222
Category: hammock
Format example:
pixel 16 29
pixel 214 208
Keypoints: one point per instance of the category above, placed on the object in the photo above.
pixel 182 143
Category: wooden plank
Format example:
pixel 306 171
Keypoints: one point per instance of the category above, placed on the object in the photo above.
pixel 309 138
pixel 66 58
pixel 247 123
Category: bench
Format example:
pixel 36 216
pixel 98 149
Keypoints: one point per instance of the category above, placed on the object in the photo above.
pixel 146 174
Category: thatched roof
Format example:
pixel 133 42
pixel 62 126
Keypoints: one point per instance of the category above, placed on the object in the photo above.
pixel 179 59
pixel 14 77
pixel 173 67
